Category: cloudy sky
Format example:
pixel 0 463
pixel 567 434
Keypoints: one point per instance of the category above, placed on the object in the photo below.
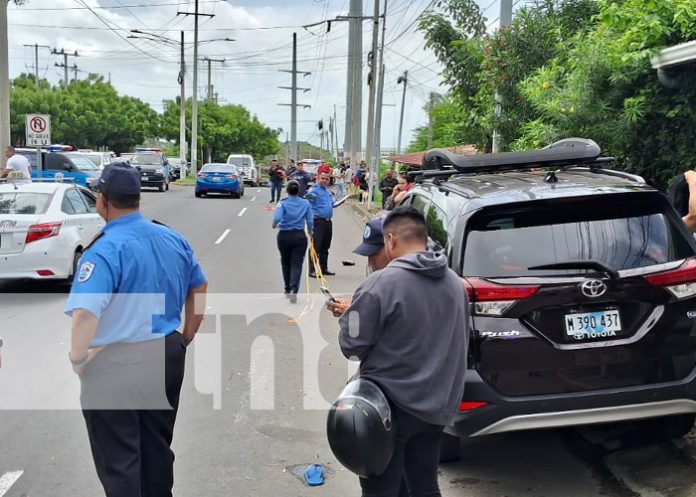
pixel 251 73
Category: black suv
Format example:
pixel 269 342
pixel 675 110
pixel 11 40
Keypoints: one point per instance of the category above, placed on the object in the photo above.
pixel 582 282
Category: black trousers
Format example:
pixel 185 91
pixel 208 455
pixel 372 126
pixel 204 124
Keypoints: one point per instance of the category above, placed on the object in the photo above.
pixel 130 396
pixel 292 245
pixel 323 231
pixel 276 190
pixel 414 464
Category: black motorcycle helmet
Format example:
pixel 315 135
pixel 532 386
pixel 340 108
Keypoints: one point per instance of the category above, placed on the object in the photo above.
pixel 359 429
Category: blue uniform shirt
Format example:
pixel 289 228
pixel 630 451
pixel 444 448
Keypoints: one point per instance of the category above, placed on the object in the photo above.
pixel 292 214
pixel 135 279
pixel 322 202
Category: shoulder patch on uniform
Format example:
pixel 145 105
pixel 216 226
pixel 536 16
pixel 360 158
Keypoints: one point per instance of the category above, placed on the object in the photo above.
pixel 161 224
pixel 86 270
pixel 93 240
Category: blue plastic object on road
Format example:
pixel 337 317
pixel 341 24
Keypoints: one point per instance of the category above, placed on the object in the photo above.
pixel 314 475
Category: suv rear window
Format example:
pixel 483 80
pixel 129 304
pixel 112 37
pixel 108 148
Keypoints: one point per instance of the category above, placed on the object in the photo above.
pixel 620 233
pixel 23 203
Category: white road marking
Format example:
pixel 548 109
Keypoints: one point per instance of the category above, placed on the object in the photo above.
pixel 218 242
pixel 9 479
pixel 253 198
pixel 241 213
pixel 258 191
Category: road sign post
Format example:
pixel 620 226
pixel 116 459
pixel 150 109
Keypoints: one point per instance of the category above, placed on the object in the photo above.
pixel 38 134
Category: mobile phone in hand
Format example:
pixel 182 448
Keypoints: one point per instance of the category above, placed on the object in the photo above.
pixel 327 293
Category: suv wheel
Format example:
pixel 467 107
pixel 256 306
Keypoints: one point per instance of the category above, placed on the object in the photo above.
pixel 161 187
pixel 449 448
pixel 669 427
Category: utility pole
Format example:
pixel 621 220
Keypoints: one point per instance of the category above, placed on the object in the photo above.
pixel 293 99
pixel 353 129
pixel 74 68
pixel 194 102
pixel 372 79
pixel 380 95
pixel 431 106
pixel 64 65
pixel 210 85
pixel 4 85
pixel 402 79
pixel 335 131
pixel 505 20
pixel 36 59
pixel 182 110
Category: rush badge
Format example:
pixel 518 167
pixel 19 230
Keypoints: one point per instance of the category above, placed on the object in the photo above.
pixel 85 272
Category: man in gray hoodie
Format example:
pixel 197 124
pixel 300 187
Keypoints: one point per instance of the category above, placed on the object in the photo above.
pixel 408 326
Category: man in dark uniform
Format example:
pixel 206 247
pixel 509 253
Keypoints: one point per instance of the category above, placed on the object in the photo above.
pixel 321 199
pixel 125 304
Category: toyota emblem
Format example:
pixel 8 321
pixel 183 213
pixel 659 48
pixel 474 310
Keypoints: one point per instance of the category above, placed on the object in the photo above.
pixel 593 288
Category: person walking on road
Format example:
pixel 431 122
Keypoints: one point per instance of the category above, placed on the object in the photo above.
pixel 291 217
pixel 303 179
pixel 407 324
pixel 322 207
pixel 276 174
pixel 339 181
pixel 125 303
pixel 17 167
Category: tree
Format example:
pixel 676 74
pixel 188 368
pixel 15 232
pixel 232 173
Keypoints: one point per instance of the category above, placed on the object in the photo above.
pixel 600 85
pixel 88 114
pixel 225 128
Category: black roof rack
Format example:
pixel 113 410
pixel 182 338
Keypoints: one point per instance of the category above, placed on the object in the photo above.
pixel 567 152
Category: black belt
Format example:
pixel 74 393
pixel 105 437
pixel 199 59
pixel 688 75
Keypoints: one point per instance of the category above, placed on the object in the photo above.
pixel 322 218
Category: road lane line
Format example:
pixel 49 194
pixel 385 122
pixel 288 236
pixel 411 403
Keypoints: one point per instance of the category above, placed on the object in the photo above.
pixel 258 191
pixel 241 213
pixel 253 198
pixel 217 242
pixel 9 479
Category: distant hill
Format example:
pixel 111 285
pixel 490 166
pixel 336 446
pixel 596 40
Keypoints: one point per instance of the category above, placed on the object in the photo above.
pixel 304 151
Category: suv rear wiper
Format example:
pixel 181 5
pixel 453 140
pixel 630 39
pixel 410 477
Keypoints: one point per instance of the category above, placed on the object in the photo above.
pixel 589 264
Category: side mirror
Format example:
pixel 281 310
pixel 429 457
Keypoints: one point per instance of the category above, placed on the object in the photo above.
pixel 67 166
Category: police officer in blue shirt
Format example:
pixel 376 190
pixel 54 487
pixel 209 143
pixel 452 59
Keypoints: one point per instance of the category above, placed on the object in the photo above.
pixel 322 205
pixel 291 217
pixel 125 304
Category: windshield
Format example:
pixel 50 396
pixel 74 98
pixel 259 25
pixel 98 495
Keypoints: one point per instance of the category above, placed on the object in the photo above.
pixel 239 161
pixel 619 235
pixel 82 163
pixel 23 203
pixel 219 168
pixel 95 158
pixel 146 160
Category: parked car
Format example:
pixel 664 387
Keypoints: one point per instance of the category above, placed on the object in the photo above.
pixel 153 166
pixel 73 165
pixel 311 166
pixel 43 229
pixel 582 286
pixel 246 167
pixel 219 178
pixel 100 159
pixel 175 169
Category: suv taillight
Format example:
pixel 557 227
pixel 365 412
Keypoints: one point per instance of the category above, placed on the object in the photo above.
pixel 492 299
pixel 42 231
pixel 681 282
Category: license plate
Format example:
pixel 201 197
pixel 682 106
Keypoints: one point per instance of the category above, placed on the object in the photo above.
pixel 217 179
pixel 143 177
pixel 600 324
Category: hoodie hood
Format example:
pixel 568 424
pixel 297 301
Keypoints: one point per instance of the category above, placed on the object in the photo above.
pixel 428 264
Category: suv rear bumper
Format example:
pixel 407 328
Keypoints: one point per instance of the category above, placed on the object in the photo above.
pixel 504 414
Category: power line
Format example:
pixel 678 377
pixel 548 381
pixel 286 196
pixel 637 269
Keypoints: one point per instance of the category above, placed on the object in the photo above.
pixel 120 6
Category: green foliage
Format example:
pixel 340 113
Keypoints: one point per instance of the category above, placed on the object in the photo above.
pixel 225 128
pixel 88 114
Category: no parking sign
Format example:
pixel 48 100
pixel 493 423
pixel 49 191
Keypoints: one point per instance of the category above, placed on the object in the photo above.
pixel 38 129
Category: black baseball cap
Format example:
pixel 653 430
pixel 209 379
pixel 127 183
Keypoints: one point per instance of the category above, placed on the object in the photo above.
pixel 120 178
pixel 373 237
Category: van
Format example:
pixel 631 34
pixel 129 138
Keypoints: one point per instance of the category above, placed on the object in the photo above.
pixel 246 166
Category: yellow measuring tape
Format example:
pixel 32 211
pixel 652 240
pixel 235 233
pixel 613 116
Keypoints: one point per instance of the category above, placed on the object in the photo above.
pixel 312 262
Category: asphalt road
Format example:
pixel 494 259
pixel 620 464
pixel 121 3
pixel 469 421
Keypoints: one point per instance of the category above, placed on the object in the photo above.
pixel 260 376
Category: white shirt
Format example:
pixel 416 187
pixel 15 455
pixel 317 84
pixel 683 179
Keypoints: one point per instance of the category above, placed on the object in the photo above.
pixel 338 175
pixel 348 173
pixel 21 164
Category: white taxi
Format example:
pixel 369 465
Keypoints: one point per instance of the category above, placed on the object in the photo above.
pixel 43 229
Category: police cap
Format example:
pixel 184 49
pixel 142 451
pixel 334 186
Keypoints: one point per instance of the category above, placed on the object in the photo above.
pixel 373 238
pixel 119 178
